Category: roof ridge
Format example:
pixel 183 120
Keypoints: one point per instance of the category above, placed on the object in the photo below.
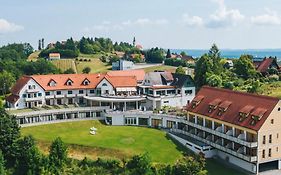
pixel 240 92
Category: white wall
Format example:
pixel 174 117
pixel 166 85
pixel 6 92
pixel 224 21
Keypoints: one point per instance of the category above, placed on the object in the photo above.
pixel 21 102
pixel 104 88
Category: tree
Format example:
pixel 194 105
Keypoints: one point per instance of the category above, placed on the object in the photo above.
pixel 9 135
pixel 189 165
pixel 202 67
pixel 134 41
pixel 180 70
pixel 86 70
pixel 69 71
pixel 168 54
pixel 57 156
pixel 244 67
pixel 183 53
pixel 139 164
pixel 28 160
pixel 155 55
pixel 2 163
pixel 214 80
pixel 214 54
pixel 6 81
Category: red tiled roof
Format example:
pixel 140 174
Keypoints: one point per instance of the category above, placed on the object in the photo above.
pixel 138 73
pixel 236 101
pixel 61 79
pixel 122 81
pixel 20 84
pixel 265 64
pixel 12 98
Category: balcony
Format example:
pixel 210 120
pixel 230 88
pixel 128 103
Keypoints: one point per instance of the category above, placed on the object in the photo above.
pixel 59 96
pixel 219 147
pixel 32 90
pixel 33 99
pixel 223 135
pixel 70 95
pixel 50 96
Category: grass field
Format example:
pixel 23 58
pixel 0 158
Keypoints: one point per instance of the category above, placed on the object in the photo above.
pixel 272 89
pixel 33 56
pixel 115 141
pixel 64 64
pixel 95 64
pixel 162 67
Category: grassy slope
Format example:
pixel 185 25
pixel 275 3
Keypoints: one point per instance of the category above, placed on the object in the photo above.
pixel 273 89
pixel 118 140
pixel 33 56
pixel 64 64
pixel 115 141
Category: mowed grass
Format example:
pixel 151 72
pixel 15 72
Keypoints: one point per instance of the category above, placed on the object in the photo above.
pixel 116 142
pixel 110 141
pixel 64 64
pixel 161 68
pixel 96 65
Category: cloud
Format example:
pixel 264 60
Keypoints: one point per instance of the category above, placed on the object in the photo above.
pixel 140 22
pixel 269 18
pixel 8 27
pixel 192 20
pixel 224 17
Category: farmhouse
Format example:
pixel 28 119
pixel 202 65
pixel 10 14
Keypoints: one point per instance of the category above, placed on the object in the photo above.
pixel 54 56
pixel 266 65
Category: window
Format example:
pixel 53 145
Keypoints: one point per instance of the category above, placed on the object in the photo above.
pixel 81 92
pixel 39 94
pixel 29 95
pixel 69 92
pixel 276 149
pixel 279 109
pixel 270 138
pixel 23 95
pixel 92 91
pixel 263 140
pixel 47 93
pixel 272 121
pixel 104 84
pixel 277 135
pixel 269 152
pixel 58 92
pixel 33 86
pixel 188 92
pixel 29 86
pixel 166 101
pixel 69 82
pixel 263 153
pixel 35 95
pixel 86 82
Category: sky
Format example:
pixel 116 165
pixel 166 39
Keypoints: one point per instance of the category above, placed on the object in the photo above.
pixel 177 24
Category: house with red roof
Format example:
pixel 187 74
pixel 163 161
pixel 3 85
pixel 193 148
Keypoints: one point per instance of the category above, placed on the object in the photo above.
pixel 242 128
pixel 266 64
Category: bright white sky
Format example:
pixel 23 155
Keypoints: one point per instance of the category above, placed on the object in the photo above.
pixel 187 24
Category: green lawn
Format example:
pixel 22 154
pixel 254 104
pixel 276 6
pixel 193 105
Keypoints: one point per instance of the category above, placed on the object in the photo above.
pixel 116 141
pixel 128 140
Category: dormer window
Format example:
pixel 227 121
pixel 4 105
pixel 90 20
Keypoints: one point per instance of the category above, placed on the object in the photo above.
pixel 223 107
pixel 52 83
pixel 196 101
pixel 244 112
pixel 69 82
pixel 213 105
pixel 86 82
pixel 257 114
